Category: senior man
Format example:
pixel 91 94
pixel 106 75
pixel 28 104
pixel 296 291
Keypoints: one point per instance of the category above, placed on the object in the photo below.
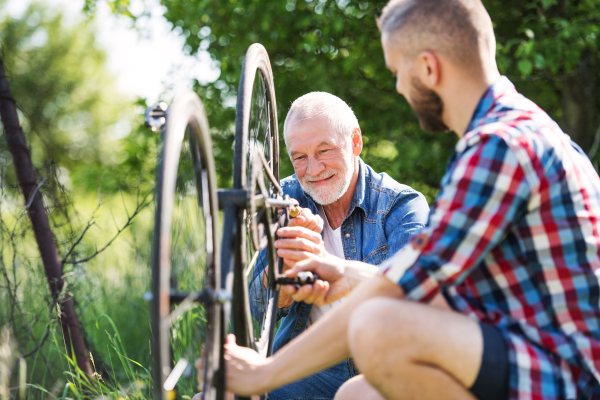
pixel 367 217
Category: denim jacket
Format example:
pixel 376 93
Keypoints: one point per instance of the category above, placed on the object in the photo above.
pixel 382 218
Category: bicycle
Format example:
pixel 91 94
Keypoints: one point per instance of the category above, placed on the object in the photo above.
pixel 186 321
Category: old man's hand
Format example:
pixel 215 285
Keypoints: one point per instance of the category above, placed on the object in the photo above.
pixel 308 220
pixel 299 240
pixel 298 243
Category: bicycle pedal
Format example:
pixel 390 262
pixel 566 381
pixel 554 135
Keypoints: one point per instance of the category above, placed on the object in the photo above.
pixel 303 278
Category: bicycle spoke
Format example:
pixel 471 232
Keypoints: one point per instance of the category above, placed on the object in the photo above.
pixel 250 266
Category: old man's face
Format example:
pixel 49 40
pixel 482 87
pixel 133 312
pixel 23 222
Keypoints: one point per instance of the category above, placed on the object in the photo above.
pixel 322 158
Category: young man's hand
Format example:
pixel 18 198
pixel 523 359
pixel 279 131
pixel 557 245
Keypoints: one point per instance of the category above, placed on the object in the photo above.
pixel 246 373
pixel 331 286
pixel 337 278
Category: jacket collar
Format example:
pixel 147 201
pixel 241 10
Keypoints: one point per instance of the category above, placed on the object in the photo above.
pixel 360 197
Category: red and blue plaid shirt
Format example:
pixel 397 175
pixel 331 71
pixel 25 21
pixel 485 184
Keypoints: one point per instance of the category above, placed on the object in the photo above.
pixel 513 240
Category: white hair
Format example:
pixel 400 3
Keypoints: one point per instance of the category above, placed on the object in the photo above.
pixel 322 104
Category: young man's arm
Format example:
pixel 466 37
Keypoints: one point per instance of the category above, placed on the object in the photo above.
pixel 321 346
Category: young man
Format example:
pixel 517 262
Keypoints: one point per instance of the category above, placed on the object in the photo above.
pixel 513 242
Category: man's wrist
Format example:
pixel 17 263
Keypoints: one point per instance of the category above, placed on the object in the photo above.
pixel 357 272
pixel 266 376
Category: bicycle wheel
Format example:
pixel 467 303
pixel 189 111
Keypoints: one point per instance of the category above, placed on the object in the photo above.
pixel 254 302
pixel 186 313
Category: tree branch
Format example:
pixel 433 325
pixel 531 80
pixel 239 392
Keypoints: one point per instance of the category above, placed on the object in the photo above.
pixel 130 217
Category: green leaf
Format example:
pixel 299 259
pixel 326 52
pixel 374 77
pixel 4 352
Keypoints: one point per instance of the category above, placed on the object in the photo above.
pixel 548 3
pixel 539 61
pixel 525 67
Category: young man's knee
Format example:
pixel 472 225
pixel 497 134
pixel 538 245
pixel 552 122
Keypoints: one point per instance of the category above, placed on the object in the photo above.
pixel 368 333
pixel 377 321
pixel 346 391
pixel 357 388
pixel 366 323
pixel 381 325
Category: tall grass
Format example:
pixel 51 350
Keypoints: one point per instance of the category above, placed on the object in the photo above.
pixel 108 292
pixel 109 297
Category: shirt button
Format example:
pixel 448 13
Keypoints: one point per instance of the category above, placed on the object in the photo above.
pixel 347 236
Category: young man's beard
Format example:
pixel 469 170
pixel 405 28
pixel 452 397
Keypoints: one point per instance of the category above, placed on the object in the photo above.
pixel 428 107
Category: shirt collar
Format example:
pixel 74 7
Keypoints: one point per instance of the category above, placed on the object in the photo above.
pixel 488 101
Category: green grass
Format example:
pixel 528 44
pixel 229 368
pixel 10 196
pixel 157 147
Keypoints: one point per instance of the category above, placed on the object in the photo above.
pixel 108 291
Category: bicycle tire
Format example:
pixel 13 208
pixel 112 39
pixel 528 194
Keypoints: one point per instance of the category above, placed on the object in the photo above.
pixel 185 241
pixel 256 68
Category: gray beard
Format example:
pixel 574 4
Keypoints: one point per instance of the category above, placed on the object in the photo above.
pixel 330 194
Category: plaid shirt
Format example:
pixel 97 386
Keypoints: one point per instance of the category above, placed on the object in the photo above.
pixel 513 240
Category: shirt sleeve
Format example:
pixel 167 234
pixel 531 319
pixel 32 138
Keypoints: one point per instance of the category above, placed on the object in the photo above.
pixel 256 289
pixel 407 217
pixel 483 192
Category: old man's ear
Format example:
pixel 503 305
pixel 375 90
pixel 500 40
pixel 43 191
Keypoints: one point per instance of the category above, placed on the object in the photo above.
pixel 357 143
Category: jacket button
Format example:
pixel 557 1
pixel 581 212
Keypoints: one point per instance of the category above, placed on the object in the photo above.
pixel 347 236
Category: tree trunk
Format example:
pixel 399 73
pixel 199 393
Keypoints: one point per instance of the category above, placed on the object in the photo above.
pixel 41 226
pixel 579 99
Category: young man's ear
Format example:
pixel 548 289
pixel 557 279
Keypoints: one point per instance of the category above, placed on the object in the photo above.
pixel 357 143
pixel 428 68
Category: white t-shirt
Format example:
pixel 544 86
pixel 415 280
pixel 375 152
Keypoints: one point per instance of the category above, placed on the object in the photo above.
pixel 332 239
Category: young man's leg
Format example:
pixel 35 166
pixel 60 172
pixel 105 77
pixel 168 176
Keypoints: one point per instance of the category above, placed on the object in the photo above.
pixel 357 388
pixel 413 351
pixel 321 386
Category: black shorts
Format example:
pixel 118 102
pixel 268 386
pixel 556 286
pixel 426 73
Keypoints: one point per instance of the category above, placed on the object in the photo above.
pixel 492 379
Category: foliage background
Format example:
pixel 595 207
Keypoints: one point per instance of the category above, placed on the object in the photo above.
pixel 88 141
pixel 545 47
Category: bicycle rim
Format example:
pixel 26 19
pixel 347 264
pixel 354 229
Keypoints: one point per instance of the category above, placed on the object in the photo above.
pixel 185 257
pixel 256 130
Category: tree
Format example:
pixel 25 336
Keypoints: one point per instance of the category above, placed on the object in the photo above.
pixel 41 225
pixel 548 48
pixel 66 96
pixel 67 105
pixel 552 46
pixel 313 45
